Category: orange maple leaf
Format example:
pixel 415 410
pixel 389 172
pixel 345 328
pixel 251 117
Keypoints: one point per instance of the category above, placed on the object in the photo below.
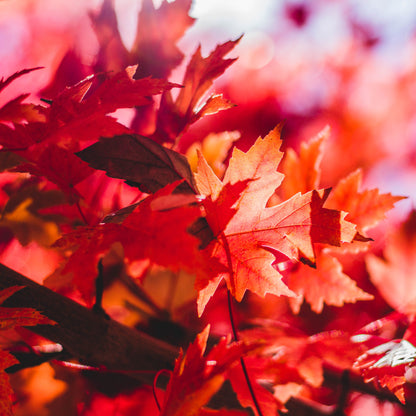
pixel 245 243
pixel 365 208
pixel 324 284
pixel 303 172
pixel 327 283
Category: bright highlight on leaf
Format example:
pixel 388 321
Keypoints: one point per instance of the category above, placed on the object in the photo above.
pixel 245 244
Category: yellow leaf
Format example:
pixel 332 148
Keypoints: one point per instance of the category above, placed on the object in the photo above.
pixel 28 227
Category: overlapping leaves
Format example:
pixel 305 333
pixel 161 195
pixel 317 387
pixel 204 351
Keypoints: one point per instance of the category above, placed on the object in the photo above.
pixel 197 377
pixel 227 231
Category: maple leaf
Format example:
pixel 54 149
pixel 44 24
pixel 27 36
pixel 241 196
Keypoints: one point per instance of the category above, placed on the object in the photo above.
pixel 215 148
pixel 289 358
pixel 196 378
pixel 86 116
pixel 11 318
pixel 5 82
pixel 15 110
pixel 112 54
pixel 365 208
pixel 117 90
pixel 140 162
pixel 75 116
pixel 58 165
pixel 175 116
pixel 387 364
pixel 303 173
pixel 325 283
pixel 121 90
pixel 158 31
pixel 245 243
pixel 394 274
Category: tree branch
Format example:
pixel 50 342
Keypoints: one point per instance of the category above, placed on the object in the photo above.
pixel 95 340
pixel 86 335
pixel 100 342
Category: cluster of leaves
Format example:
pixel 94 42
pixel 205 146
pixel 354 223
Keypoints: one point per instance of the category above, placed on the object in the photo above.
pixel 261 226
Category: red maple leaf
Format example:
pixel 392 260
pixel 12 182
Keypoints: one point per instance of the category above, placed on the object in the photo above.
pixel 175 116
pixel 289 358
pixel 11 318
pixel 75 116
pixel 85 116
pixel 58 165
pixel 157 229
pixel 16 112
pixel 196 378
pixel 158 31
pixel 245 244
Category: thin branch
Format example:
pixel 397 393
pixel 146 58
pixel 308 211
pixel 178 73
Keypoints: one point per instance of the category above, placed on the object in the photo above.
pixel 95 340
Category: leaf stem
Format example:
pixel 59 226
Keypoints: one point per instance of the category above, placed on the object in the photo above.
pixel 242 362
pixel 233 326
pixel 84 218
